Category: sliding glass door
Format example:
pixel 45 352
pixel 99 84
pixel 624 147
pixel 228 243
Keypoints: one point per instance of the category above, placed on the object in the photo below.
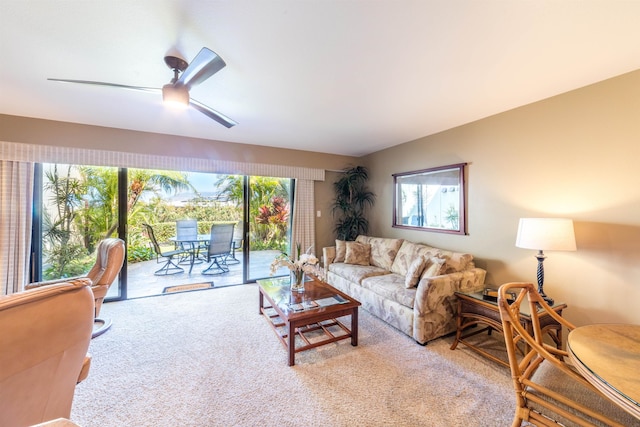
pixel 270 201
pixel 80 205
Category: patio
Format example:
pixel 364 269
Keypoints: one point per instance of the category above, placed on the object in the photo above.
pixel 143 283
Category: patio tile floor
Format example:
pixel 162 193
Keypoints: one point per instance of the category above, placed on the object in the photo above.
pixel 142 282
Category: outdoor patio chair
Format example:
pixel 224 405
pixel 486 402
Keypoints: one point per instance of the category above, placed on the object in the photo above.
pixel 236 245
pixel 549 391
pixel 219 248
pixel 169 267
pixel 187 240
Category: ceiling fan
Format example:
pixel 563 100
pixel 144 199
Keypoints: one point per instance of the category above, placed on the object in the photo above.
pixel 204 65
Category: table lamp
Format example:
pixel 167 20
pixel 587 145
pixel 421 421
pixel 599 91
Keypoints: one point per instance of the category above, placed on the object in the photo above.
pixel 545 234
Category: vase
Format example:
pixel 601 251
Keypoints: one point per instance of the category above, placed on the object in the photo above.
pixel 297 281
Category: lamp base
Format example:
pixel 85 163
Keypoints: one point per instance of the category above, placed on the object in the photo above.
pixel 544 296
pixel 540 275
pixel 548 300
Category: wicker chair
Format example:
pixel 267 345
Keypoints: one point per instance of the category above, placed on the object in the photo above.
pixel 549 392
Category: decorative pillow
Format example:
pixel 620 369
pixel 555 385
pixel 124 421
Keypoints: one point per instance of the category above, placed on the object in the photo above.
pixel 357 253
pixel 341 250
pixel 407 253
pixel 434 266
pixel 413 274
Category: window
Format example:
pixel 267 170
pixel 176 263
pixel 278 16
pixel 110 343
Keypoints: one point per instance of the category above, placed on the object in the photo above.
pixel 431 199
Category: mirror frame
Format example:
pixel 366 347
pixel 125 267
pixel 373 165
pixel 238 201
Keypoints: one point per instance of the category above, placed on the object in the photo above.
pixel 454 175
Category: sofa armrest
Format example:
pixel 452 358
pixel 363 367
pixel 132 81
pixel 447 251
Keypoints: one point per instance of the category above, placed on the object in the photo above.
pixel 328 255
pixel 433 291
pixel 434 307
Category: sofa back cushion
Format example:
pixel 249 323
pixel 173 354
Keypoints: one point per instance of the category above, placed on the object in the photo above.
pixel 408 252
pixel 456 261
pixel 383 250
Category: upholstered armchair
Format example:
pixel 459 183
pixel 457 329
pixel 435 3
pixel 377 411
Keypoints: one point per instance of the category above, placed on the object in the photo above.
pixel 45 336
pixel 109 260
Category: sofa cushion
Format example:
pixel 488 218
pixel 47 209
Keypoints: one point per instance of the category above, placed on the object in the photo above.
pixel 383 250
pixel 357 253
pixel 355 273
pixel 391 287
pixel 414 272
pixel 434 266
pixel 341 250
pixel 457 261
pixel 407 253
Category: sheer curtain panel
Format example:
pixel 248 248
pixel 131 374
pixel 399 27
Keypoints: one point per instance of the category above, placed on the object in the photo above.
pixel 16 203
pixel 303 229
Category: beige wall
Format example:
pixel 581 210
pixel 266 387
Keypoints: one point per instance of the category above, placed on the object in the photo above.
pixel 574 155
pixel 47 132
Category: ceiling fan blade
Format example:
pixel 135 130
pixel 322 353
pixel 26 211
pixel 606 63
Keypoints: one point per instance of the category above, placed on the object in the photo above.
pixel 213 114
pixel 204 65
pixel 89 82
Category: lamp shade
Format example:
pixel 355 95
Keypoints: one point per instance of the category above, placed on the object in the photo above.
pixel 546 234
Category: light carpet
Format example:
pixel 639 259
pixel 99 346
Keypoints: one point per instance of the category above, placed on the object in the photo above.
pixel 209 359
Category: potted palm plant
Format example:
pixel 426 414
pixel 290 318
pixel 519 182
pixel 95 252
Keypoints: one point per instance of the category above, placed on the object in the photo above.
pixel 352 199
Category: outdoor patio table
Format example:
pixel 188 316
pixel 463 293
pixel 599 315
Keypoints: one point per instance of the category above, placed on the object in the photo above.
pixel 193 244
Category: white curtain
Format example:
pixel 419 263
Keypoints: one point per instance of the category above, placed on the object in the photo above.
pixel 303 224
pixel 16 203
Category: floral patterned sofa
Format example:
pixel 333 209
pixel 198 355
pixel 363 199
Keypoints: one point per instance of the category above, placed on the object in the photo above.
pixel 408 285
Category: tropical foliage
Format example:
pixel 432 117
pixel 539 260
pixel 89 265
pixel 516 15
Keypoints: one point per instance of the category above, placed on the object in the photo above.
pixel 269 208
pixel 82 209
pixel 352 199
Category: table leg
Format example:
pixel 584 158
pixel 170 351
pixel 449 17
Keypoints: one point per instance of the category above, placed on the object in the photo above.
pixel 458 326
pixel 291 339
pixel 260 301
pixel 354 327
pixel 192 254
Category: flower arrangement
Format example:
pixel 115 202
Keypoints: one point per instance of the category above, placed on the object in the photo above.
pixel 299 265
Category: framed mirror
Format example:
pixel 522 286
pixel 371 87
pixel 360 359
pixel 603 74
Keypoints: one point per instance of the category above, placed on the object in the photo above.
pixel 431 199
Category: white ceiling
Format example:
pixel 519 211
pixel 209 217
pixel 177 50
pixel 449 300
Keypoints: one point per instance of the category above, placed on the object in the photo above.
pixel 338 76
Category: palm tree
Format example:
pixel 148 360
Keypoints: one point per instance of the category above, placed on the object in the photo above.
pixel 58 224
pixel 351 202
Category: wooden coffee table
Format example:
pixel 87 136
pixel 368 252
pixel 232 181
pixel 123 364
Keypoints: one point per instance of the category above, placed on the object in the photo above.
pixel 310 316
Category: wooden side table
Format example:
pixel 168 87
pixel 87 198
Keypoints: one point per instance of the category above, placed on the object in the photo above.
pixel 474 310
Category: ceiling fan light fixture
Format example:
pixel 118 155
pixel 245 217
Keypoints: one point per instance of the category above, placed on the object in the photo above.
pixel 175 95
pixel 185 76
